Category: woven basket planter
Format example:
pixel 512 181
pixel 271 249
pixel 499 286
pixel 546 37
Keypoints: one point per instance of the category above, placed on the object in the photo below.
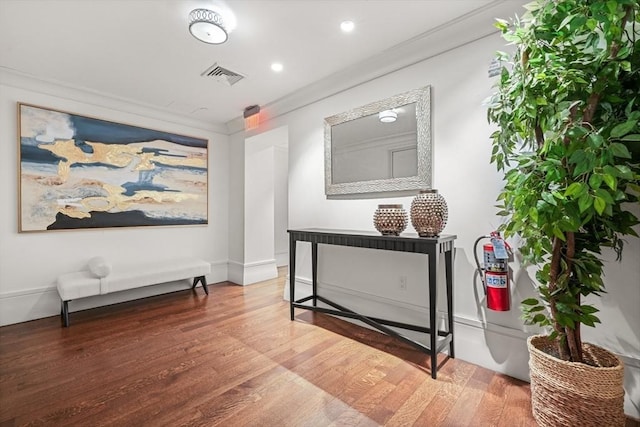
pixel 575 394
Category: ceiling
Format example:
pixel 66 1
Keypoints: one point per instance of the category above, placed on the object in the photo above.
pixel 140 51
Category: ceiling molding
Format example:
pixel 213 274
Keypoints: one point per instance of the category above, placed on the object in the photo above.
pixel 20 80
pixel 458 32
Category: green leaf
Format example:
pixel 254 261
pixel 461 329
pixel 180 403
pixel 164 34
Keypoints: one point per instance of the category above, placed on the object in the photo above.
pixel 632 137
pixel 573 189
pixel 530 301
pixel 577 157
pixel 589 320
pixel 548 197
pixel 588 309
pixel 604 195
pixel 620 150
pixel 566 21
pixel 623 128
pixel 611 181
pixel 599 204
pixel 625 171
pixel 584 202
pixel 566 321
pixel 610 170
pixel 596 140
pixel 559 234
pixel 501 24
pixel 538 318
pixel 595 180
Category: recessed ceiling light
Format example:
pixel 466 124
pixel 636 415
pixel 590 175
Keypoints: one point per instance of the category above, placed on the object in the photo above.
pixel 277 67
pixel 347 26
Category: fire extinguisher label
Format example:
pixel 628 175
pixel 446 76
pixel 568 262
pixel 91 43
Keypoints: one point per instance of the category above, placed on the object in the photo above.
pixel 497 280
pixel 499 249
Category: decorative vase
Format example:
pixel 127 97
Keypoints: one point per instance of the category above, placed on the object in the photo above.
pixel 575 394
pixel 429 213
pixel 390 220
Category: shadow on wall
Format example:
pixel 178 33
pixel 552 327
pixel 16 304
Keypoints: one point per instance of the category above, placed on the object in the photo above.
pixel 631 384
pixel 497 324
pixel 522 288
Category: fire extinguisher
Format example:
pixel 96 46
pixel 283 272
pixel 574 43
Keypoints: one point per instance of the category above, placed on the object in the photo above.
pixel 495 273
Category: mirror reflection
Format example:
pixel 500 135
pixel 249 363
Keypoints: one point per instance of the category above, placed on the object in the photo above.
pixel 382 147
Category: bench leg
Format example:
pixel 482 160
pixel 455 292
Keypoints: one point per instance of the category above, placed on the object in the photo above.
pixel 204 284
pixel 64 313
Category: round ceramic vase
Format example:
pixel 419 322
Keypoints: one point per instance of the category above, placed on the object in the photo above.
pixel 429 213
pixel 390 220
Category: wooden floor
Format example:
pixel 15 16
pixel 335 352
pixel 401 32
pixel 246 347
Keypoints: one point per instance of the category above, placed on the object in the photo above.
pixel 233 358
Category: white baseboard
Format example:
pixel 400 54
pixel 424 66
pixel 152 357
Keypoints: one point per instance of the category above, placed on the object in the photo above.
pixel 235 272
pixel 282 258
pixel 36 303
pixel 219 272
pixel 258 271
pixel 30 304
pixel 496 347
pixel 254 272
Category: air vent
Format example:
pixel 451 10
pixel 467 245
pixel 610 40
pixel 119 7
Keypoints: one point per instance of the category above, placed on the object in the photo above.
pixel 222 75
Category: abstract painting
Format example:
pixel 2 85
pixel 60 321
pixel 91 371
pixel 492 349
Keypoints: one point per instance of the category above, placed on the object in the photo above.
pixel 79 172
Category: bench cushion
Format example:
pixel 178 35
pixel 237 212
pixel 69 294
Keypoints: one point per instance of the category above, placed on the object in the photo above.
pixel 84 284
pixel 79 284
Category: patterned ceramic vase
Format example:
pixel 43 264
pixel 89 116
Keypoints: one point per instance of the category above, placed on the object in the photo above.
pixel 390 220
pixel 429 213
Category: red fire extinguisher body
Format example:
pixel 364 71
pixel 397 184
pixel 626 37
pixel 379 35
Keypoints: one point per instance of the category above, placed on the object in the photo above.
pixel 496 279
pixel 497 290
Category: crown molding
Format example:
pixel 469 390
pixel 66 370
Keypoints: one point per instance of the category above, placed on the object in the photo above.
pixel 20 80
pixel 453 34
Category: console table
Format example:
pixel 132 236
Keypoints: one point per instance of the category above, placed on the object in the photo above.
pixel 432 247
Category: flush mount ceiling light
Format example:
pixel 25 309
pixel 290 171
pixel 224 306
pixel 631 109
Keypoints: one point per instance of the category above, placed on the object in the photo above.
pixel 387 116
pixel 207 26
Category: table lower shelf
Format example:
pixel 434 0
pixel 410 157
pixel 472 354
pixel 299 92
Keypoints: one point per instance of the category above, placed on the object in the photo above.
pixel 380 324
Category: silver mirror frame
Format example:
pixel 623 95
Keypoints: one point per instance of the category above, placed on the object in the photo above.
pixel 382 187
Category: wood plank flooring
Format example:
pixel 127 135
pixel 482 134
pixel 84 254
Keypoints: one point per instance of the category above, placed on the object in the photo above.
pixel 233 358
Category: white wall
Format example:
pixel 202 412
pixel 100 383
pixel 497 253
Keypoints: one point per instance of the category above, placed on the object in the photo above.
pixel 368 280
pixel 236 206
pixel 281 201
pixel 259 214
pixel 30 262
pixel 257 179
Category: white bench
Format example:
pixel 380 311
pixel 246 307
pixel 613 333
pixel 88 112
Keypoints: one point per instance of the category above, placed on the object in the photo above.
pixel 100 278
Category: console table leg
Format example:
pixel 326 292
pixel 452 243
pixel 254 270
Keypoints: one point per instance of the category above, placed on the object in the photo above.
pixel 449 273
pixel 292 272
pixel 314 272
pixel 433 308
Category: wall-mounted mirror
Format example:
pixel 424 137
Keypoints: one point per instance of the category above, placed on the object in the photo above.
pixel 380 148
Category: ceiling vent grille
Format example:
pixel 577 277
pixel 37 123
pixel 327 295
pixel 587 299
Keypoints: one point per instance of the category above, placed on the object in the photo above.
pixel 222 75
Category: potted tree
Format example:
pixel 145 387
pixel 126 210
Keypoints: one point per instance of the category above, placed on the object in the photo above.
pixel 567 108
